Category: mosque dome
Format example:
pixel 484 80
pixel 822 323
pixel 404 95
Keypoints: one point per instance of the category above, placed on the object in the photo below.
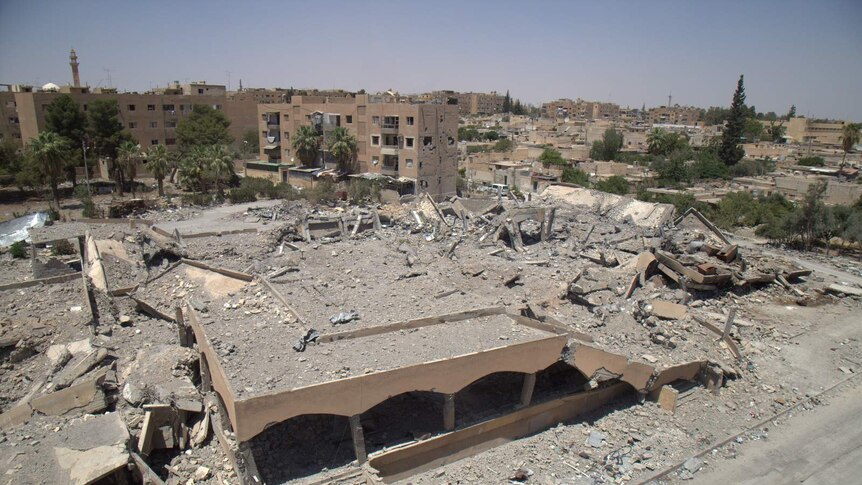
pixel 50 87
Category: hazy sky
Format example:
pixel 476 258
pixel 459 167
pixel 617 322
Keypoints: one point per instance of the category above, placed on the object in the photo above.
pixel 803 52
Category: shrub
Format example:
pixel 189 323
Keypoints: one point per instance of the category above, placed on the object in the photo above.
pixel 82 192
pixel 322 192
pixel 260 186
pixel 575 176
pixel 750 168
pixel 62 248
pixel 242 194
pixel 197 199
pixel 812 161
pixel 614 185
pixel 361 190
pixel 18 250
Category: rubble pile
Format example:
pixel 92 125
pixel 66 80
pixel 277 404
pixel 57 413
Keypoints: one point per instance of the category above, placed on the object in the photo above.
pixel 623 275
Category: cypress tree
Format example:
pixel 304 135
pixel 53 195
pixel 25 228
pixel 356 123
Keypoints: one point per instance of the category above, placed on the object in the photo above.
pixel 507 103
pixel 730 151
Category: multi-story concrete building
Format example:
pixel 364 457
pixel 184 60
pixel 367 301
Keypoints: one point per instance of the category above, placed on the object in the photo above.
pixel 674 115
pixel 412 145
pixel 822 132
pixel 150 117
pixel 469 104
pixel 581 110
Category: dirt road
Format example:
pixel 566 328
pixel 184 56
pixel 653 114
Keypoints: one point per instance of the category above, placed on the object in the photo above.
pixel 821 446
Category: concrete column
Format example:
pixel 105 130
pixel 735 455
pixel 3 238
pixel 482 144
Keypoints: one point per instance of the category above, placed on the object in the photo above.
pixel 527 389
pixel 449 412
pixel 358 439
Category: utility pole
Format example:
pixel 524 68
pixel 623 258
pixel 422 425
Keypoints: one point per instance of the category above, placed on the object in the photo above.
pixel 86 169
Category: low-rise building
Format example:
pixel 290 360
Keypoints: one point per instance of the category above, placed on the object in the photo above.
pixel 821 132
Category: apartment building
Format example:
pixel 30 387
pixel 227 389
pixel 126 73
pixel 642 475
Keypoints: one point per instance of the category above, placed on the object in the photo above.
pixel 469 104
pixel 822 132
pixel 581 110
pixel 674 115
pixel 150 117
pixel 412 145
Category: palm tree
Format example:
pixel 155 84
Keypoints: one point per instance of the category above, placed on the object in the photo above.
pixel 219 166
pixel 306 143
pixel 127 160
pixel 159 164
pixel 193 168
pixel 656 141
pixel 849 138
pixel 48 151
pixel 342 146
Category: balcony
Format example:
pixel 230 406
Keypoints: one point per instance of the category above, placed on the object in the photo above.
pixel 389 150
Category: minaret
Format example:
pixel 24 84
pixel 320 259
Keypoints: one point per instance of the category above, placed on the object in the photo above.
pixel 73 61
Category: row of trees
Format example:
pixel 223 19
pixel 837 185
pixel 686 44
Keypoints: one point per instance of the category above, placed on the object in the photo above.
pixel 340 144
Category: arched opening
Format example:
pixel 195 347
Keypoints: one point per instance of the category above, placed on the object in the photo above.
pixel 559 379
pixel 411 416
pixel 302 446
pixel 488 397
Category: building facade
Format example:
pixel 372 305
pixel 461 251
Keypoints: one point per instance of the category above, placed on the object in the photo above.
pixel 150 117
pixel 821 132
pixel 674 115
pixel 581 110
pixel 414 145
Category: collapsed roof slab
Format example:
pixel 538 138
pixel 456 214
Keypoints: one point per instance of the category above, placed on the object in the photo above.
pixel 615 207
pixel 440 354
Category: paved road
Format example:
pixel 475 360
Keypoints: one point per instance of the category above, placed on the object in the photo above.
pixel 822 446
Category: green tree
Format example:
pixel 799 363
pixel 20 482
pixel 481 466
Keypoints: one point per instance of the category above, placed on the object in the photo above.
pixel 468 133
pixel 812 217
pixel 128 155
pixel 812 161
pixel 205 126
pixel 849 138
pixel 306 143
pixel 105 129
pixel 673 170
pixel 731 152
pixel 752 130
pixel 656 141
pixel 791 113
pixel 193 167
pixel 49 151
pixel 504 145
pixel 342 146
pixel 575 176
pixel 608 148
pixel 507 103
pixel 219 166
pixel 550 156
pixel 65 118
pixel 492 135
pixel 776 132
pixel 11 161
pixel 159 164
pixel 616 184
pixel 715 115
pixel 250 143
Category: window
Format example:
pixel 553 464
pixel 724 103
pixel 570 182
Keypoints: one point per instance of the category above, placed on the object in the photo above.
pixel 375 140
pixel 200 90
pixel 154 142
pixel 133 125
pixel 85 107
pixel 217 107
pixel 408 142
pixel 44 107
pixel 375 160
pixel 170 141
pixel 168 107
pixel 426 141
pixel 171 124
pixel 154 124
pixel 375 120
pixel 410 120
pixel 349 119
pixel 408 163
pixel 131 107
pixel 151 107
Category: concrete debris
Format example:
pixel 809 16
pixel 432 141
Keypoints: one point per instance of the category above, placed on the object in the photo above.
pixel 343 317
pixel 549 301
